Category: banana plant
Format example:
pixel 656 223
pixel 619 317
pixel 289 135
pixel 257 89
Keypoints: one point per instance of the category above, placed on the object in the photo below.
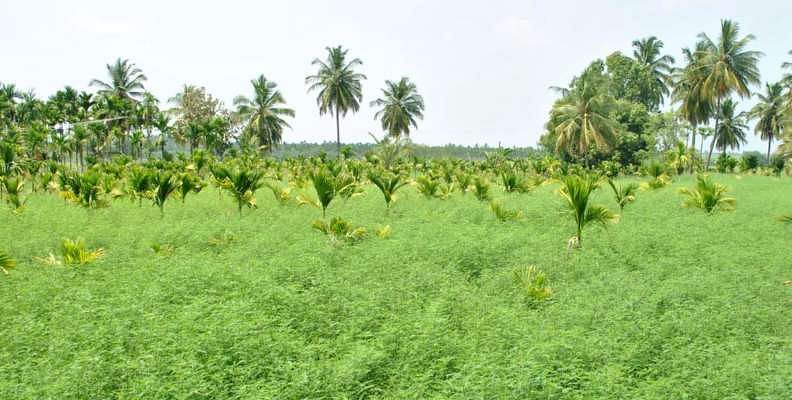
pixel 388 183
pixel 576 191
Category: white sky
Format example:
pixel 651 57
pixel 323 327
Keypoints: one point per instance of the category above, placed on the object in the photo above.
pixel 483 67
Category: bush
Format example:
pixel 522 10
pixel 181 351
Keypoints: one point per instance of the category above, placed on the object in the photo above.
pixel 725 163
pixel 532 283
pixel 707 195
pixel 750 161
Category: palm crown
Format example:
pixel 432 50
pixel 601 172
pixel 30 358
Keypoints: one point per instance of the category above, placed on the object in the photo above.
pixel 339 86
pixel 264 113
pixel 126 80
pixel 401 106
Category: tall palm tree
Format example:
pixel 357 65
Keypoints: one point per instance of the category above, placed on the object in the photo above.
pixel 788 76
pixel 729 68
pixel 731 130
pixel 126 80
pixel 339 86
pixel 694 106
pixel 770 114
pixel 401 106
pixel 583 118
pixel 646 52
pixel 264 114
pixel 162 123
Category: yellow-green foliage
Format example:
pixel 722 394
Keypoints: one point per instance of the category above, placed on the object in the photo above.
pixel 707 195
pixel 532 283
pixel 74 252
pixel 503 213
pixel 6 262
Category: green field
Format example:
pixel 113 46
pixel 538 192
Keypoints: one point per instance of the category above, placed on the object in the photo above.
pixel 669 303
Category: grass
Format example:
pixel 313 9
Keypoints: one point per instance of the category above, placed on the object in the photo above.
pixel 668 303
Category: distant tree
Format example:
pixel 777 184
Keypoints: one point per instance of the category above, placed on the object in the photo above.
pixel 729 68
pixel 694 106
pixel 339 86
pixel 582 119
pixel 263 115
pixel 647 52
pixel 125 80
pixel 400 106
pixel 770 114
pixel 193 108
pixel 732 128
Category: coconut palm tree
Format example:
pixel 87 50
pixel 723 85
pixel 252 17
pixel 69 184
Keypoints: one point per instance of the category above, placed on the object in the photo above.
pixel 400 106
pixel 162 123
pixel 339 86
pixel 694 106
pixel 769 112
pixel 731 130
pixel 583 118
pixel 577 192
pixel 264 114
pixel 126 80
pixel 729 67
pixel 646 52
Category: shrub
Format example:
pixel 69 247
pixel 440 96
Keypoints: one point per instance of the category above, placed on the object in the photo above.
pixel 428 186
pixel 384 232
pixel 339 230
pixel 481 189
pixel 74 252
pixel 707 195
pixel 750 161
pixel 504 214
pixel 658 173
pixel 532 283
pixel 14 188
pixel 725 163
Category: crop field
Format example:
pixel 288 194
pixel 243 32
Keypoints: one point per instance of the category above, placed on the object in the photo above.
pixel 200 302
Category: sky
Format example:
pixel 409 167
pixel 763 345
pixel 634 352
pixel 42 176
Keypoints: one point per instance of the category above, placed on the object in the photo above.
pixel 483 67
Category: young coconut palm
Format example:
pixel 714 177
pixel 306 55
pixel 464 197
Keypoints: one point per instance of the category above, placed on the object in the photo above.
pixel 707 195
pixel 576 192
pixel 388 183
pixel 139 184
pixel 6 262
pixel 625 194
pixel 75 253
pixel 242 184
pixel 189 183
pixel 14 186
pixel 164 185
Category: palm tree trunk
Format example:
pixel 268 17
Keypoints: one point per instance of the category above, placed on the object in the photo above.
pixel 338 133
pixel 769 145
pixel 693 146
pixel 715 133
